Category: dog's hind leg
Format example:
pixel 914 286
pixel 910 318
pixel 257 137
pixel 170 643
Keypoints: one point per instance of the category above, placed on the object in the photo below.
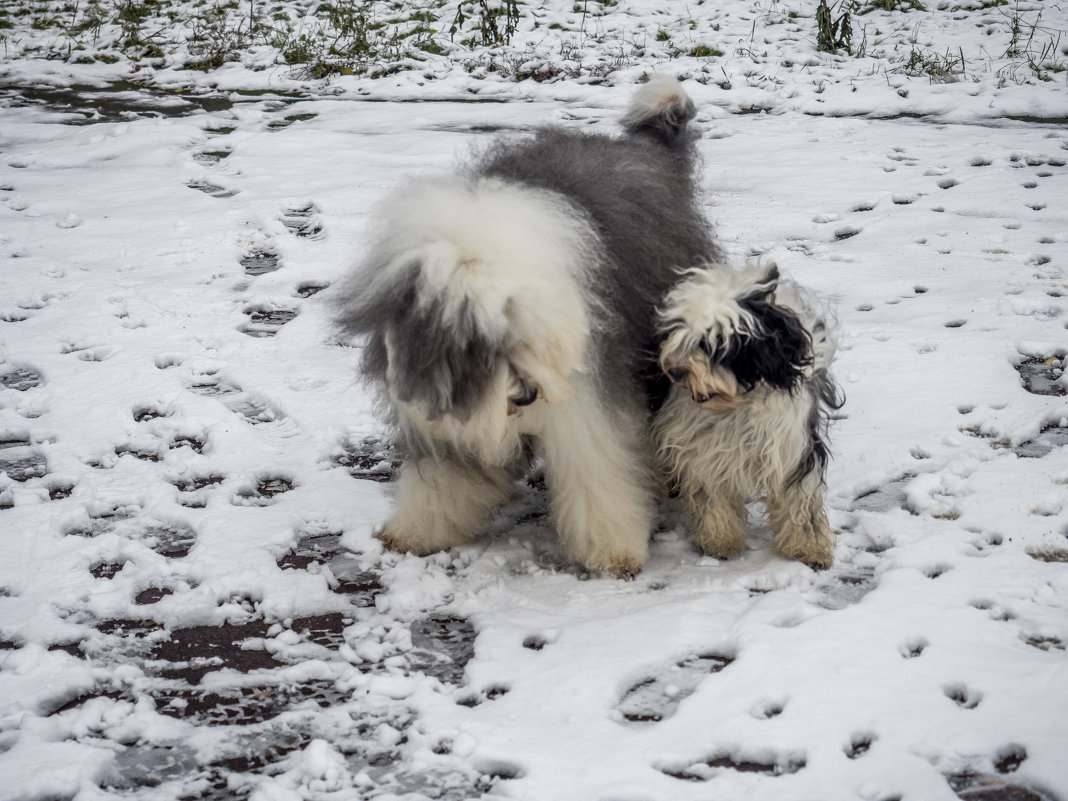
pixel 600 486
pixel 441 504
pixel 799 522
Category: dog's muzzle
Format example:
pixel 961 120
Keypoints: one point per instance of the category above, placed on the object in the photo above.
pixel 711 387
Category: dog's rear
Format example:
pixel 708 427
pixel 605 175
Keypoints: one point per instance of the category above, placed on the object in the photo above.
pixel 515 303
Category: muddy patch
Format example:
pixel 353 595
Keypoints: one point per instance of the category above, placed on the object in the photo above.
pixel 1043 375
pixel 192 653
pixel 117 102
pixel 323 548
pixel 1048 440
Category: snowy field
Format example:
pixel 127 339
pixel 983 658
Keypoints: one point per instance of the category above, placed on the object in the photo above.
pixel 192 601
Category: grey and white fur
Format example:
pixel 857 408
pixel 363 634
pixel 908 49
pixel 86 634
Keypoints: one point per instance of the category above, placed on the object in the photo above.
pixel 749 354
pixel 509 312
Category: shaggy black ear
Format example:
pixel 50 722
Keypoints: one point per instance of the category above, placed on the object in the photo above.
pixel 778 348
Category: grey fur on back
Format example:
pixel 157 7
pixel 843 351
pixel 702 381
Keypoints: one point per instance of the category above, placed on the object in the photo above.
pixel 638 192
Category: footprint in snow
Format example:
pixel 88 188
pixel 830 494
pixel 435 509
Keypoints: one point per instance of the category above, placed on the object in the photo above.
pixel 212 157
pixel 264 492
pixel 913 647
pixel 266 320
pixel 279 124
pixel 993 781
pixel 309 288
pixel 898 155
pixel 658 696
pixel 303 220
pixel 963 696
pixel 20 379
pixel 727 760
pixel 882 498
pixel 248 406
pixel 995 611
pixel 20 460
pixel 260 261
pixel 843 589
pixel 214 190
pixel 193 488
pixel 859 744
pixel 86 351
pixel 369 459
pixel 768 709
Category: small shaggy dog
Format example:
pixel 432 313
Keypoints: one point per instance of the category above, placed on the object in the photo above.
pixel 510 312
pixel 748 353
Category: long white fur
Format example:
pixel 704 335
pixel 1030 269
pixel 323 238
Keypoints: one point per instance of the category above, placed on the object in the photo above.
pixel 515 254
pixel 720 459
pixel 519 259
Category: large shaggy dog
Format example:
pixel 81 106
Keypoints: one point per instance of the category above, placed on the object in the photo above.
pixel 748 352
pixel 510 312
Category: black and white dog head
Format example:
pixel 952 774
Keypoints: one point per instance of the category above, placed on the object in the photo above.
pixel 724 333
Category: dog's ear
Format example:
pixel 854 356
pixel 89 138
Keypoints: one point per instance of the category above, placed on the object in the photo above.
pixel 778 349
pixel 766 285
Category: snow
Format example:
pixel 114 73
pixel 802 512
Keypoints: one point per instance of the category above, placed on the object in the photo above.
pixel 178 423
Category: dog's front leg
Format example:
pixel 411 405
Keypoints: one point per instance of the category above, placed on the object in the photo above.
pixel 719 519
pixel 441 504
pixel 799 522
pixel 601 495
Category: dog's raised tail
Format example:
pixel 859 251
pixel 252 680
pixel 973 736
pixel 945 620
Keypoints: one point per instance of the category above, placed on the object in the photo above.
pixel 660 109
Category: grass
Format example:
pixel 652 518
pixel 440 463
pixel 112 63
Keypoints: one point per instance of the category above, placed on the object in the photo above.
pixel 520 39
pixel 946 67
pixel 834 33
pixel 492 22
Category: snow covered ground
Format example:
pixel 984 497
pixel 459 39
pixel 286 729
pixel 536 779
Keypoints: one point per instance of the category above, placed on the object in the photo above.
pixel 192 602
